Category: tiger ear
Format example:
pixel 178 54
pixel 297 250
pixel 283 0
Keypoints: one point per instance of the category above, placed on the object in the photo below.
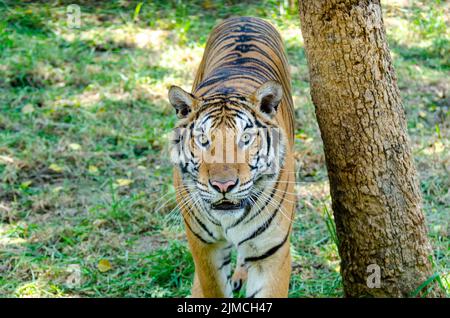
pixel 181 100
pixel 268 97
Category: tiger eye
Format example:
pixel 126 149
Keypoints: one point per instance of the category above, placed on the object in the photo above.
pixel 245 138
pixel 203 139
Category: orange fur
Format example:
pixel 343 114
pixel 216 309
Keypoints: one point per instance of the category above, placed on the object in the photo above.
pixel 268 276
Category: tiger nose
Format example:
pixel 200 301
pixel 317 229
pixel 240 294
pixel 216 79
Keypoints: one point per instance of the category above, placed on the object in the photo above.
pixel 223 186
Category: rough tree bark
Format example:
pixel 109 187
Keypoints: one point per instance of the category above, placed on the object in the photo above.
pixel 375 194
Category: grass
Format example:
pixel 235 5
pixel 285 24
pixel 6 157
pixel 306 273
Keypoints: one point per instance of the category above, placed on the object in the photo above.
pixel 86 202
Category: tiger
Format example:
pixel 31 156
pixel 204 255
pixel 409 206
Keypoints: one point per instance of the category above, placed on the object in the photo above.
pixel 232 150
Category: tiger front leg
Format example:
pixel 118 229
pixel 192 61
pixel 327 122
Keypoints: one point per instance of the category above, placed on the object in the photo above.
pixel 212 278
pixel 269 277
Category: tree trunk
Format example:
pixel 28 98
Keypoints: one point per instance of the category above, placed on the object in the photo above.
pixel 373 182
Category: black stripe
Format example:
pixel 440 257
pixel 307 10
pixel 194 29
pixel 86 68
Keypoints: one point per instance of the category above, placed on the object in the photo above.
pixel 267 223
pixel 266 55
pixel 198 221
pixel 251 76
pixel 225 263
pixel 248 124
pixel 254 294
pixel 265 201
pixel 239 62
pixel 237 111
pixel 268 253
pixel 202 225
pixel 243 119
pixel 268 142
pixel 208 215
pixel 245 183
pixel 260 230
pixel 196 234
pixel 244 215
pixel 213 112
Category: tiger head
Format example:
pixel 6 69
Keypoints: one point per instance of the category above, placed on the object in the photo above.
pixel 228 147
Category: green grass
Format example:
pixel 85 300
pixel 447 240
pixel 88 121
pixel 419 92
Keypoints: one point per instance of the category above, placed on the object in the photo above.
pixel 84 120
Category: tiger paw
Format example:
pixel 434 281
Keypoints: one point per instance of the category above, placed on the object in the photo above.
pixel 239 278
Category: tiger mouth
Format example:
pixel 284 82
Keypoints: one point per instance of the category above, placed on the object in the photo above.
pixel 228 205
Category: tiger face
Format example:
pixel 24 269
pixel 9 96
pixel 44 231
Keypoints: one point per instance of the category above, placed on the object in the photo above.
pixel 228 147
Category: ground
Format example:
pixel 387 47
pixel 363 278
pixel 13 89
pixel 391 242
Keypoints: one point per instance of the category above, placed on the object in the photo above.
pixel 87 207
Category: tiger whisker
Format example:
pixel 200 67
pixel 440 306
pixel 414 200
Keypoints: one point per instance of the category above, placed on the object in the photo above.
pixel 274 206
pixel 280 197
pixel 180 207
